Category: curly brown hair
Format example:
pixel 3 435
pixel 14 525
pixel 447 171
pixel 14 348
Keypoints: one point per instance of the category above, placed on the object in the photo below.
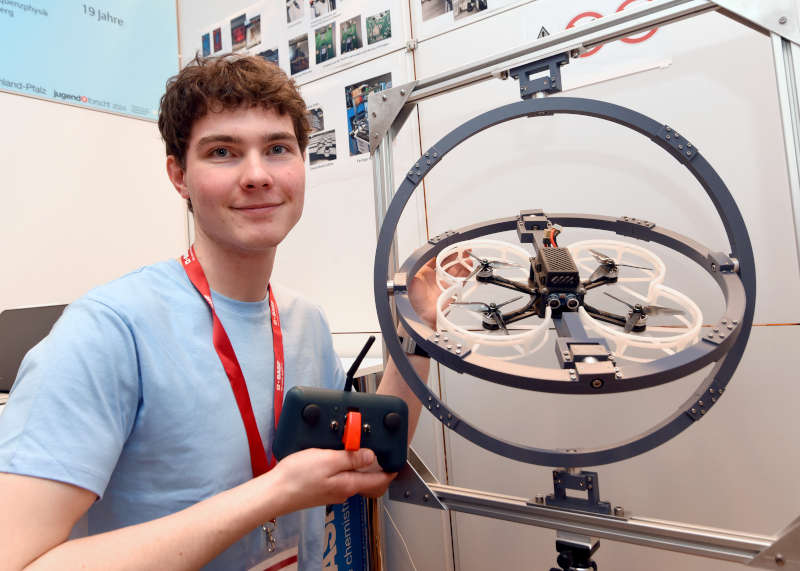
pixel 213 84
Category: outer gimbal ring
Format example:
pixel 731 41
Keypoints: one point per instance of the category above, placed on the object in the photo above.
pixel 735 275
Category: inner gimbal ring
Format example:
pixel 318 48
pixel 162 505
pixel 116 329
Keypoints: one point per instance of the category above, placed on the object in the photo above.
pixel 735 274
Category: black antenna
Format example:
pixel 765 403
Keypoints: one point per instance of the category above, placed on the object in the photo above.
pixel 348 384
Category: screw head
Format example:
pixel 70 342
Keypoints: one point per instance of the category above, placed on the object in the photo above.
pixel 597 383
pixel 782 20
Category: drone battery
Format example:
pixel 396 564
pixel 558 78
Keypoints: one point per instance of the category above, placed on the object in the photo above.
pixel 556 270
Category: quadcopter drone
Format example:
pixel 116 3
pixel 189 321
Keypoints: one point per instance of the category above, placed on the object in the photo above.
pixel 551 281
pixel 617 326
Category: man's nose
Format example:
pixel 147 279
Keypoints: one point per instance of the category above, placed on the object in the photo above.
pixel 256 172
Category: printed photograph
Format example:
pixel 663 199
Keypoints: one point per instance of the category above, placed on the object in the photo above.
pixel 217 33
pixel 322 147
pixel 294 10
pixel 463 8
pixel 298 54
pixel 357 119
pixel 254 31
pixel 379 27
pixel 206 45
pixel 322 7
pixel 325 42
pixel 316 119
pixel 350 32
pixel 270 55
pixel 238 33
pixel 434 8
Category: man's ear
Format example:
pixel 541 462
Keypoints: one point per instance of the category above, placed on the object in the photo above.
pixel 177 175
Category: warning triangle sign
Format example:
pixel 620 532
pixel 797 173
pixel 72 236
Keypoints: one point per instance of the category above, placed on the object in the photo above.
pixel 542 33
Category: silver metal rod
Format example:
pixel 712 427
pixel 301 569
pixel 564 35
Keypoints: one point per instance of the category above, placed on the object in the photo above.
pixel 693 540
pixel 786 56
pixel 383 189
pixel 609 28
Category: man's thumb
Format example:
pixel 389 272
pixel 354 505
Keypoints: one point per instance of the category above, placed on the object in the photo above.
pixel 362 458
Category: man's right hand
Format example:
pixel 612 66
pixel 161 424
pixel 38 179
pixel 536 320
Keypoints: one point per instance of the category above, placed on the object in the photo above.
pixel 317 477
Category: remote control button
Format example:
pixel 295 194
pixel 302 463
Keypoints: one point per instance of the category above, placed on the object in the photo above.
pixel 392 421
pixel 352 431
pixel 311 414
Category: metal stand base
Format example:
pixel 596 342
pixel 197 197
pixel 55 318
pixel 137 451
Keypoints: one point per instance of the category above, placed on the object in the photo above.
pixel 575 553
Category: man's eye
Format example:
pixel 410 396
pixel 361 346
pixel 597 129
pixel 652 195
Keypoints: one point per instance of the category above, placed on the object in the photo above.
pixel 278 149
pixel 220 152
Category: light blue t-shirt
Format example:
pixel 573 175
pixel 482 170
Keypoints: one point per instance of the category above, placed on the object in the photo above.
pixel 127 398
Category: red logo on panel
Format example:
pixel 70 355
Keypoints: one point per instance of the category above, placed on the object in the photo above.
pixel 594 15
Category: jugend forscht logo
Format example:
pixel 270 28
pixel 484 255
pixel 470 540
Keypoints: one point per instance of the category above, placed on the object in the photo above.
pixel 69 96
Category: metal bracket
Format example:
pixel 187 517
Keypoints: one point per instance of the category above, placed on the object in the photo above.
pixel 530 221
pixel 785 550
pixel 439 237
pixel 411 484
pixel 387 110
pixel 705 401
pixel 779 16
pixel 684 151
pixel 548 84
pixel 721 262
pixel 635 228
pixel 583 482
pixel 452 343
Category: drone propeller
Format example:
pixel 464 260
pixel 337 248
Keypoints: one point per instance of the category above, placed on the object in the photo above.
pixel 485 264
pixel 640 312
pixel 608 266
pixel 491 310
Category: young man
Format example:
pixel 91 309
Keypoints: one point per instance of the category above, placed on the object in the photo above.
pixel 151 403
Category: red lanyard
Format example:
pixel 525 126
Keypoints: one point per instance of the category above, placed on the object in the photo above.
pixel 222 344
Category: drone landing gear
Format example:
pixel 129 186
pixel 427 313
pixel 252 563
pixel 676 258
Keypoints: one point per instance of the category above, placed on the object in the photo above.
pixel 575 552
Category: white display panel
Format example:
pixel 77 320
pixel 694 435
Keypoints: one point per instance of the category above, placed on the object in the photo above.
pixel 91 55
pixel 307 39
pixel 86 199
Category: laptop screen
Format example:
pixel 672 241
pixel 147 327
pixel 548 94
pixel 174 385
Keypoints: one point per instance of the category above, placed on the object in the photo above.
pixel 20 330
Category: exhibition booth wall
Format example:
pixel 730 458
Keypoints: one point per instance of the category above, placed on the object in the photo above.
pixel 87 200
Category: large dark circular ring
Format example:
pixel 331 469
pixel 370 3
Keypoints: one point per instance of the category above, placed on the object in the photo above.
pixel 735 275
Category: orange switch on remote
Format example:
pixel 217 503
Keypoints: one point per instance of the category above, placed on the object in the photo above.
pixel 352 431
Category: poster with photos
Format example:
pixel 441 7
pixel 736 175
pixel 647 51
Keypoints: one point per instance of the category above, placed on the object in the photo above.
pixel 325 43
pixel 379 27
pixel 356 96
pixel 239 33
pixel 325 36
pixel 298 54
pixel 294 11
pixel 436 16
pixel 351 35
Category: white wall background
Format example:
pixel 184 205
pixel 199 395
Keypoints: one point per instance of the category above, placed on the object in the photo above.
pixel 87 200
